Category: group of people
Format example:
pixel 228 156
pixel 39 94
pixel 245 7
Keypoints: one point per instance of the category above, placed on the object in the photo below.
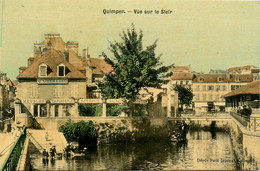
pixel 68 152
pixel 52 153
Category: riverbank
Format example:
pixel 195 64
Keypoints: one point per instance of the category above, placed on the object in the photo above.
pixel 157 154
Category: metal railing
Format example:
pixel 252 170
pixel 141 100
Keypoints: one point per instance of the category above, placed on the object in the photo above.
pixel 251 123
pixel 11 161
pixel 254 124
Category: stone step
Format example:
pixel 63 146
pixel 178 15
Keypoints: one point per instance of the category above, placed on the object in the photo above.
pixel 45 139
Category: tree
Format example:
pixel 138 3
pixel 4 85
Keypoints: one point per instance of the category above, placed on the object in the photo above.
pixel 185 95
pixel 82 132
pixel 134 67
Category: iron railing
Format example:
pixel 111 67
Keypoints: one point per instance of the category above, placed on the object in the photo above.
pixel 251 123
pixel 11 161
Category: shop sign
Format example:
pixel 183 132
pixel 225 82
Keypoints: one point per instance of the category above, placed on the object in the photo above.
pixel 38 101
pixel 115 100
pixel 90 101
pixel 52 81
pixel 62 101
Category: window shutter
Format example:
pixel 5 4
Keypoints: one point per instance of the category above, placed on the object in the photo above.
pixel 29 91
pixel 56 91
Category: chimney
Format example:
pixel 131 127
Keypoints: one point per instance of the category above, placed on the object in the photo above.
pixel 30 61
pixel 84 59
pixel 88 67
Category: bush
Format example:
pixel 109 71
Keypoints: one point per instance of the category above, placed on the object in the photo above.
pixel 140 110
pixel 81 132
pixel 115 109
pixel 90 109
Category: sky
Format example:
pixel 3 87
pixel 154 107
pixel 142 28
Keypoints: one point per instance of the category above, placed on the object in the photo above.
pixel 203 34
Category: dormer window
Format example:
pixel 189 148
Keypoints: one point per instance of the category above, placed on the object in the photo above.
pixel 201 79
pixel 237 79
pixel 220 79
pixel 42 70
pixel 61 70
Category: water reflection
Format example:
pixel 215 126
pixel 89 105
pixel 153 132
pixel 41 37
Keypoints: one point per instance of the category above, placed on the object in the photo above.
pixel 199 151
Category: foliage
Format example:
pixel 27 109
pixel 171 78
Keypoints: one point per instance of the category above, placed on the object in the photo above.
pixel 81 131
pixel 90 110
pixel 185 95
pixel 134 67
pixel 228 105
pixel 140 110
pixel 115 109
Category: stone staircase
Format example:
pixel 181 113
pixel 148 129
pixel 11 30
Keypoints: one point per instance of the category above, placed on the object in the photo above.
pixel 38 138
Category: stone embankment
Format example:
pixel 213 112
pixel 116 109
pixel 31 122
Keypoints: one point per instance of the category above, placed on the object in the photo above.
pixel 132 129
pixel 246 146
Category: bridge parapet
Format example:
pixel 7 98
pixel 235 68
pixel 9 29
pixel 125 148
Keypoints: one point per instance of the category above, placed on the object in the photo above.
pixel 250 123
pixel 207 117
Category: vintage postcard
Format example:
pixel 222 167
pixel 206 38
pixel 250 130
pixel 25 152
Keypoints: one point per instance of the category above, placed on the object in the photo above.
pixel 129 85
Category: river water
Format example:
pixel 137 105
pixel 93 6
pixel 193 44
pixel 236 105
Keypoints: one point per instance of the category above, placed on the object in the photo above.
pixel 202 150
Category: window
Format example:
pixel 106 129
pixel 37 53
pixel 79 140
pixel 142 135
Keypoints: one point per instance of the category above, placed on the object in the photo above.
pixel 220 79
pixel 224 88
pixel 198 97
pixel 58 91
pixel 181 82
pixel 204 88
pixel 198 88
pixel 233 87
pixel 210 87
pixel 43 111
pixel 75 91
pixel 42 70
pixel 201 79
pixel 35 110
pixel 217 97
pixel 66 110
pixel 218 88
pixel 34 91
pixel 23 108
pixel 238 86
pixel 40 110
pixel 210 97
pixel 187 82
pixel 204 97
pixel 61 70
pixel 237 79
pixel 56 110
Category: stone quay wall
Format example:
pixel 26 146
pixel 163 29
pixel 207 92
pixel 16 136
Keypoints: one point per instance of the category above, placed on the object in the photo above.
pixel 115 129
pixel 246 146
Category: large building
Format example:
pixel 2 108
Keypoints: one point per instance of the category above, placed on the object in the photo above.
pixel 181 75
pixel 209 88
pixel 49 86
pixel 93 68
pixel 55 78
pixel 7 96
pixel 245 96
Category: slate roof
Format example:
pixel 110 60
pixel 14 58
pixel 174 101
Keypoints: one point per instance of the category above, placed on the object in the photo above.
pixel 255 70
pixel 100 66
pixel 52 59
pixel 251 88
pixel 180 68
pixel 213 78
pixel 182 76
pixel 248 67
